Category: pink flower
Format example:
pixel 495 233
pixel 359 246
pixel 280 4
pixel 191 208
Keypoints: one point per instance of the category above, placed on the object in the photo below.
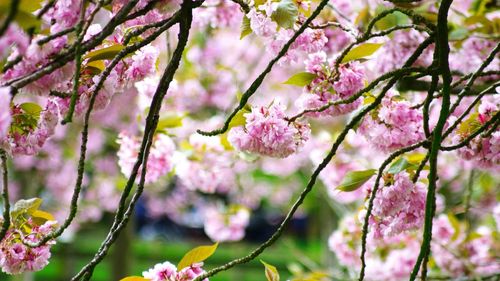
pixel 161 272
pixel 143 63
pixel 5 116
pixel 321 91
pixel 398 207
pixel 30 143
pixel 226 226
pixel 159 161
pixel 207 167
pixel 16 258
pixel 395 125
pixel 261 24
pixel 168 272
pixel 266 132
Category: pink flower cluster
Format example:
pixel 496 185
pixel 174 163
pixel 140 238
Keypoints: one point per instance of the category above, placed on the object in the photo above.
pixel 310 41
pixel 228 226
pixel 31 143
pixel 159 161
pixel 266 132
pixel 5 117
pixel 458 255
pixel 16 258
pixel 207 167
pixel 398 49
pixel 393 126
pixel 398 206
pixel 483 151
pixel 321 91
pixel 168 272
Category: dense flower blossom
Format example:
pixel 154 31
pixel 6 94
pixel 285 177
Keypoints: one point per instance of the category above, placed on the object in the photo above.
pixel 168 272
pixel 142 63
pixel 398 49
pixel 226 226
pixel 30 142
pixel 266 132
pixel 159 161
pixel 5 117
pixel 16 258
pixel 14 37
pixel 322 91
pixel 483 151
pixel 393 126
pixel 449 242
pixel 261 24
pixel 398 206
pixel 206 167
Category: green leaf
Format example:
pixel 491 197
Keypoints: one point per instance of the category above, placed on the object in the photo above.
pixel 40 217
pixel 361 51
pixel 286 14
pixel 399 165
pixel 354 180
pixel 170 121
pixel 134 278
pixel 469 126
pixel 95 67
pixel 25 206
pixel 196 255
pixel 391 20
pixel 271 272
pixel 30 108
pixel 245 27
pixel 24 15
pixel 106 53
pixel 239 119
pixel 301 79
pixel 458 34
pixel 456 226
pixel 30 6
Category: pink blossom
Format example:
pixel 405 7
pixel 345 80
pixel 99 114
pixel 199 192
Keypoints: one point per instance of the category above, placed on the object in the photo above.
pixel 143 63
pixel 159 161
pixel 227 225
pixel 207 167
pixel 168 272
pixel 31 142
pixel 398 206
pixel 266 132
pixel 322 91
pixel 5 116
pixel 16 258
pixel 395 125
pixel 261 24
pixel 161 272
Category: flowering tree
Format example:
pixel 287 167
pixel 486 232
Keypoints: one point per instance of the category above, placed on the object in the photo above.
pixel 217 106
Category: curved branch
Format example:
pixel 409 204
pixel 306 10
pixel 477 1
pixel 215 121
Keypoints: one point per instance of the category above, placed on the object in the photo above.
pixel 5 195
pixel 256 84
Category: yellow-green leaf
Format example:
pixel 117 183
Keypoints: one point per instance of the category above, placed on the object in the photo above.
pixel 355 179
pixel 196 255
pixel 95 67
pixel 239 119
pixel 31 108
pixel 301 79
pixel 271 272
pixel 170 121
pixel 106 53
pixel 286 14
pixel 134 278
pixel 28 206
pixel 245 27
pixel 40 217
pixel 361 51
